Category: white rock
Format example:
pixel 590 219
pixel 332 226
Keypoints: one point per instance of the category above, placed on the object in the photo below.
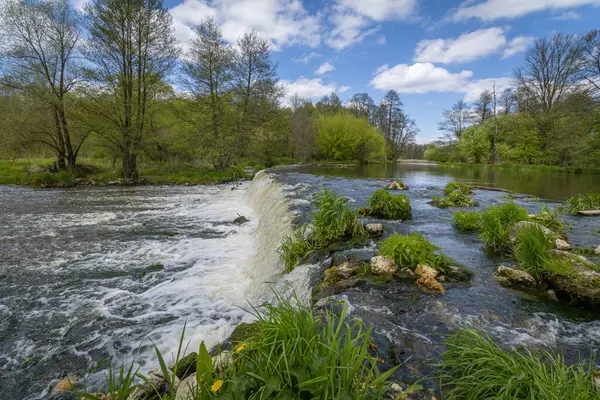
pixel 598 250
pixel 383 266
pixel 346 270
pixel 374 229
pixel 222 360
pixel 426 270
pixel 563 245
pixel 186 388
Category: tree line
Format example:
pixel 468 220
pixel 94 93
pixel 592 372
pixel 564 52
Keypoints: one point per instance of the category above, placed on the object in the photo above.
pixel 550 115
pixel 113 82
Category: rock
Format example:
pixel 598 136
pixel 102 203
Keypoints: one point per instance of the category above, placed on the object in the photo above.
pixel 406 274
pixel 374 229
pixel 187 388
pixel 396 186
pixel 429 284
pixel 457 274
pixel 513 277
pixel 396 388
pixel 338 287
pixel 356 255
pixel 563 245
pixel 222 361
pixel 590 213
pixel 551 295
pixel 576 259
pixel 186 366
pixel 583 286
pixel 598 250
pixel 347 269
pixel 156 383
pixel 514 232
pixel 240 220
pixel 66 385
pixel 383 266
pixel 426 270
pixel 441 278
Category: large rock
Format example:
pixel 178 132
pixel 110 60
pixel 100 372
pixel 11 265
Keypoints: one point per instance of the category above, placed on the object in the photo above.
pixel 186 366
pixel 426 270
pixel 156 383
pixel 563 245
pixel 374 229
pixel 336 288
pixel 187 388
pixel 575 259
pixel 457 274
pixel 429 284
pixel 582 286
pixel 397 185
pixel 513 277
pixel 383 266
pixel 514 232
pixel 346 269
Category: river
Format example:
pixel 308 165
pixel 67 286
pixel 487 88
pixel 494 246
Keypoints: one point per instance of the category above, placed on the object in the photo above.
pixel 91 273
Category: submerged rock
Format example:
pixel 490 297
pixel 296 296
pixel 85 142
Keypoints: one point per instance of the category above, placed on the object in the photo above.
pixel 336 288
pixel 240 220
pixel 513 277
pixel 397 185
pixel 563 245
pixel 429 284
pixel 406 274
pixel 426 270
pixel 457 274
pixel 374 229
pixel 383 266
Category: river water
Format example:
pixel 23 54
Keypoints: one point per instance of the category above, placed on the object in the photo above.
pixel 92 273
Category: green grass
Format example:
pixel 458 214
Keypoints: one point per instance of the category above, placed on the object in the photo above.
pixel 467 221
pixel 292 353
pixel 475 368
pixel 551 219
pixel 497 221
pixel 526 167
pixel 453 199
pixel 295 247
pixel 410 250
pixel 589 201
pixel 386 205
pixel 532 250
pixel 456 186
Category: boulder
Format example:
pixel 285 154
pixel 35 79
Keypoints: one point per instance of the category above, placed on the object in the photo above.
pixel 383 266
pixel 187 388
pixel 513 277
pixel 155 384
pixel 374 229
pixel 222 361
pixel 186 366
pixel 429 284
pixel 576 259
pixel 457 274
pixel 514 232
pixel 406 274
pixel 336 288
pixel 583 287
pixel 563 245
pixel 426 270
pixel 346 269
pixel 396 186
pixel 590 213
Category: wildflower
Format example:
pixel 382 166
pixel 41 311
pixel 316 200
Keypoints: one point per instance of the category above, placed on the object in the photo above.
pixel 217 385
pixel 240 348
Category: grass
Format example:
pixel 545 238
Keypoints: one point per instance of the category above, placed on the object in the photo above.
pixel 589 201
pixel 408 251
pixel 526 167
pixel 292 353
pixel 532 250
pixel 456 186
pixel 454 199
pixel 551 219
pixel 475 367
pixel 333 221
pixel 386 205
pixel 467 221
pixel 497 221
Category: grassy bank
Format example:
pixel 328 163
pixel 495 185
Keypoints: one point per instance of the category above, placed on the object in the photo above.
pixel 35 172
pixel 522 167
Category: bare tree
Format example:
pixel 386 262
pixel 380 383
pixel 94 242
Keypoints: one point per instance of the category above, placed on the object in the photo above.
pixel 40 59
pixel 507 101
pixel 303 128
pixel 494 138
pixel 457 119
pixel 361 105
pixel 133 49
pixel 483 106
pixel 393 108
pixel 591 60
pixel 405 133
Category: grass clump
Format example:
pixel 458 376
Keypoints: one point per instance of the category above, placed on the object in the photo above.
pixel 408 251
pixel 589 201
pixel 467 221
pixel 460 187
pixel 386 205
pixel 532 250
pixel 497 221
pixel 333 221
pixel 551 219
pixel 453 199
pixel 475 367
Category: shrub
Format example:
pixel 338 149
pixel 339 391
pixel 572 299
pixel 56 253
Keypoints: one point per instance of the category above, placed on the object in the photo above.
pixel 467 221
pixel 475 367
pixel 532 249
pixel 386 205
pixel 461 187
pixel 408 251
pixel 497 221
pixel 591 201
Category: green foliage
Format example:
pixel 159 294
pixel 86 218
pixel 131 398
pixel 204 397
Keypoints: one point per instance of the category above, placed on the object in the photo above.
pixel 386 205
pixel 551 219
pixel 456 186
pixel 467 221
pixel 559 266
pixel 474 144
pixel 411 250
pixel 344 137
pixel 475 367
pixel 295 247
pixel 454 199
pixel 589 201
pixel 532 249
pixel 497 221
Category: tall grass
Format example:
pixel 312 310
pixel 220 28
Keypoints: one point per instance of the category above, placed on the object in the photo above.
pixel 408 251
pixel 460 187
pixel 532 250
pixel 386 205
pixel 467 221
pixel 589 201
pixel 551 219
pixel 497 221
pixel 295 247
pixel 475 367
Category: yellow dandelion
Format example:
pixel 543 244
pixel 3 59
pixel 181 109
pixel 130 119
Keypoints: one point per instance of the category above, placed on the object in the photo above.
pixel 240 348
pixel 217 385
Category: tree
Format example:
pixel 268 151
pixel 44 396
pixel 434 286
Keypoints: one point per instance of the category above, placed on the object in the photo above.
pixel 474 144
pixel 405 131
pixel 591 60
pixel 40 60
pixel 209 72
pixel 393 106
pixel 457 119
pixel 303 128
pixel 133 49
pixel 507 101
pixel 483 106
pixel 361 105
pixel 494 138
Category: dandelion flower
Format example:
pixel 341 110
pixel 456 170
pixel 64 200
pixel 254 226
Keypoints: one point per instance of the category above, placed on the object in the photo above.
pixel 217 385
pixel 240 348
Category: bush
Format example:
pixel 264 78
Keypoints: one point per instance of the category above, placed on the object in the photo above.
pixel 475 367
pixel 467 221
pixel 461 187
pixel 532 249
pixel 408 251
pixel 497 221
pixel 386 205
pixel 591 201
pixel 454 199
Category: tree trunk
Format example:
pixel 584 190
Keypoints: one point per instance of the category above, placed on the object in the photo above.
pixel 129 165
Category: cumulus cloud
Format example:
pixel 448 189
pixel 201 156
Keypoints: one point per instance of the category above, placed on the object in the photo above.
pixel 282 22
pixel 344 89
pixel 568 16
pixel 517 45
pixel 467 47
pixel 491 10
pixel 310 88
pixel 324 68
pixel 420 78
pixel 306 57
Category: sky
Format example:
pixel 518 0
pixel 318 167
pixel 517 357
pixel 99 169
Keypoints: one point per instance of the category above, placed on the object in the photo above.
pixel 433 52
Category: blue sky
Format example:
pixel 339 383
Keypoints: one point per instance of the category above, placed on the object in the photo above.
pixel 433 52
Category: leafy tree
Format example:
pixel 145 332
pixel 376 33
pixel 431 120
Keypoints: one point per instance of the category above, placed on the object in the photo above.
pixel 474 144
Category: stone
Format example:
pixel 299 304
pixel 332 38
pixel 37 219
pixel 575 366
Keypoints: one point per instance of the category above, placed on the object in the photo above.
pixel 590 213
pixel 583 287
pixel 186 366
pixel 346 269
pixel 374 229
pixel 156 383
pixel 429 284
pixel 514 232
pixel 406 274
pixel 441 278
pixel 551 295
pixel 338 287
pixel 187 388
pixel 563 245
pixel 66 385
pixel 513 277
pixel 383 266
pixel 426 270
pixel 457 274
pixel 240 220
pixel 222 360
pixel 397 185
pixel 576 259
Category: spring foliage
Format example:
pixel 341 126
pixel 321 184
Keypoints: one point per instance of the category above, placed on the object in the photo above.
pixel 408 251
pixel 386 205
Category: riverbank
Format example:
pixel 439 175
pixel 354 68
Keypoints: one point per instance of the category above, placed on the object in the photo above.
pixel 525 168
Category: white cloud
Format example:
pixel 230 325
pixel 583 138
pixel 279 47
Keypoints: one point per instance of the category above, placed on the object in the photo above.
pixel 310 88
pixel 283 22
pixel 517 45
pixel 420 78
pixel 344 89
pixel 568 16
pixel 467 47
pixel 324 68
pixel 306 57
pixel 381 69
pixel 380 10
pixel 381 40
pixel 473 89
pixel 490 10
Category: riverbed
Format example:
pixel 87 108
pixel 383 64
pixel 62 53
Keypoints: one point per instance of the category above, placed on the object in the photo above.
pixel 93 273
